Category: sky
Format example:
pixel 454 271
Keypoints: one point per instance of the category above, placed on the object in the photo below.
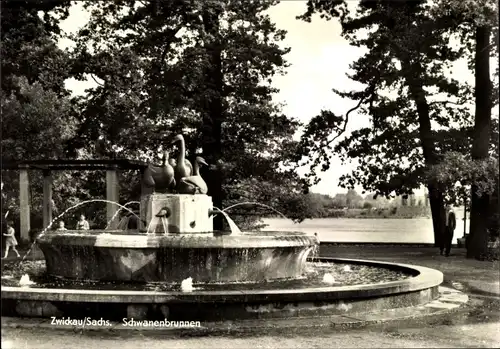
pixel 319 59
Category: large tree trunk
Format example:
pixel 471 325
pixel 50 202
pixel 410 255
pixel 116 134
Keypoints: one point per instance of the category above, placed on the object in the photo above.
pixel 212 119
pixel 436 201
pixel 477 244
pixel 436 198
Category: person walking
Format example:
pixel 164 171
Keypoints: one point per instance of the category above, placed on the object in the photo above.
pixel 10 241
pixel 450 225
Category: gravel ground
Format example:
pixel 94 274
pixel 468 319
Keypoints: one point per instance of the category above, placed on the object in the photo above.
pixel 482 335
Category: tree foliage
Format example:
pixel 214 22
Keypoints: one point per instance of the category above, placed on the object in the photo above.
pixel 402 41
pixel 457 171
pixel 29 31
pixel 35 122
pixel 201 68
pixel 37 114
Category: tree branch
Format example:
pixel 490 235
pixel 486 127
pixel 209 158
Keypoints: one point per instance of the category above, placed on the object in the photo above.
pixel 446 102
pixel 346 120
pixel 97 82
pixel 169 42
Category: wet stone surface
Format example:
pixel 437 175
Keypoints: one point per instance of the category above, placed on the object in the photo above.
pixel 317 274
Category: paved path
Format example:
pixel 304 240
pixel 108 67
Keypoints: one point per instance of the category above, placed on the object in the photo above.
pixel 443 336
pixel 470 274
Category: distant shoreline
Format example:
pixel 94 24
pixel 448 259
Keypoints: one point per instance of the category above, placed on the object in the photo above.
pixel 352 217
pixel 401 212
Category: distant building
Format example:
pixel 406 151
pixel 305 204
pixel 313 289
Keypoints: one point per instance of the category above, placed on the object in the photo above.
pixel 404 200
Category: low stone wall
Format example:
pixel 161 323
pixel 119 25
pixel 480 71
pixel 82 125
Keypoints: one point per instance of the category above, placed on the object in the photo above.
pixel 227 305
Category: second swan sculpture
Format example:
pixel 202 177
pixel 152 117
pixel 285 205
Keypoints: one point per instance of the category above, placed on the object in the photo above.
pixel 182 167
pixel 193 184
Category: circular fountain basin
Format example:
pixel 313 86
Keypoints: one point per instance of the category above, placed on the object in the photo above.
pixel 114 256
pixel 419 287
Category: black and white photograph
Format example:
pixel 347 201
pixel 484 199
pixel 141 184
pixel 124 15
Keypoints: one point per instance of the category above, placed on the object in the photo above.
pixel 250 174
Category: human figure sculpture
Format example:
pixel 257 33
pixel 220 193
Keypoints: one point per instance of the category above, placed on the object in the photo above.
pixel 194 184
pixel 61 226
pixel 82 223
pixel 182 167
pixel 160 179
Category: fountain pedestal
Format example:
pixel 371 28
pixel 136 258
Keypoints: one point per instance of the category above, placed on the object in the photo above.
pixel 188 214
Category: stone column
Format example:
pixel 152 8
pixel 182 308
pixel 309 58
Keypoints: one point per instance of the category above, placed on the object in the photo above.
pixel 112 192
pixel 24 204
pixel 47 198
pixel 144 190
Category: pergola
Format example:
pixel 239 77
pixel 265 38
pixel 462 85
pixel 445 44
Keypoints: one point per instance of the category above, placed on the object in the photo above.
pixel 112 167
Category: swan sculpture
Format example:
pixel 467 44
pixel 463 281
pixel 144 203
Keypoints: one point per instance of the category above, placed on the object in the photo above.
pixel 182 167
pixel 160 179
pixel 193 184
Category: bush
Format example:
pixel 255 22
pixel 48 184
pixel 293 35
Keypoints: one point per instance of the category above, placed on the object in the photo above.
pixel 336 213
pixel 367 205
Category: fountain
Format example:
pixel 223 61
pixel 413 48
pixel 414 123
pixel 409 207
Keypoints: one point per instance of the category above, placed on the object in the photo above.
pixel 185 247
pixel 178 267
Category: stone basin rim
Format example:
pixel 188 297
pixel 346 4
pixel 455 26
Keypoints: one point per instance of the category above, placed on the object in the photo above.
pixel 118 232
pixel 425 279
pixel 113 239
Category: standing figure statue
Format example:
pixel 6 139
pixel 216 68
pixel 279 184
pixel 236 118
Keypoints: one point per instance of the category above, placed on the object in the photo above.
pixel 82 223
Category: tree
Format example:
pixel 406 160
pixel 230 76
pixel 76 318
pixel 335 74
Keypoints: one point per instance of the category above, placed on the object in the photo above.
pixel 477 245
pixel 340 201
pixel 35 122
pixel 29 32
pixel 377 201
pixel 202 68
pixel 476 22
pixel 37 115
pixel 353 199
pixel 404 200
pixel 407 89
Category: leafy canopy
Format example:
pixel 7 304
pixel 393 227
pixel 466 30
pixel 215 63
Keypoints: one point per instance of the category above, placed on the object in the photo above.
pixel 201 68
pixel 408 46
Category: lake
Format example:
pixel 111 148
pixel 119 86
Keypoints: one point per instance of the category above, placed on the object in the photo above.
pixel 416 230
